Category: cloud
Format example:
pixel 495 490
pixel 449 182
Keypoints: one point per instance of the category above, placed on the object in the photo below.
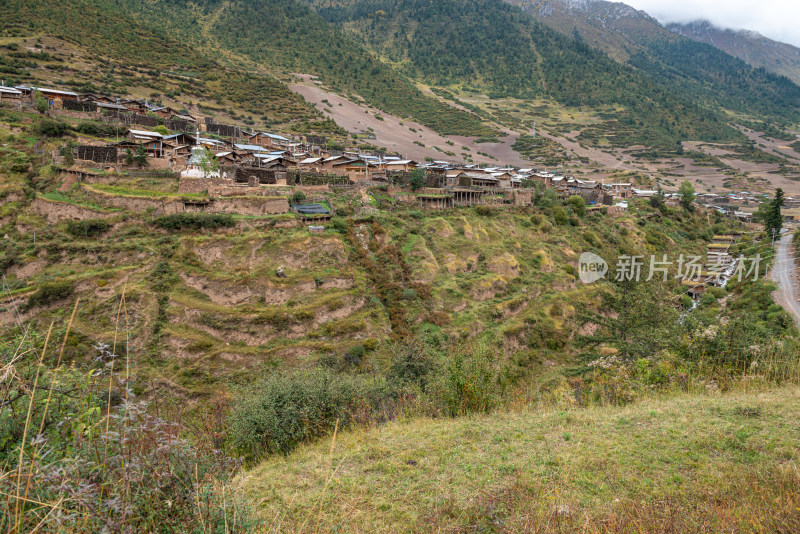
pixel 776 19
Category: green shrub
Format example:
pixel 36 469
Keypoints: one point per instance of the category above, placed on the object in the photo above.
pixel 52 128
pixel 286 409
pixel 339 224
pixel 578 205
pixel 50 292
pixel 409 294
pixel 469 381
pixel 560 216
pixel 100 130
pixel 411 364
pixel 298 197
pixel 42 105
pixel 707 299
pixel 194 221
pixel 87 228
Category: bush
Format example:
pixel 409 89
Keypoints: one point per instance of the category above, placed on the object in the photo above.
pixel 707 299
pixel 52 128
pixel 417 180
pixel 298 197
pixel 339 224
pixel 42 105
pixel 87 228
pixel 560 216
pixel 468 382
pixel 50 292
pixel 100 130
pixel 578 205
pixel 286 409
pixel 150 475
pixel 409 294
pixel 194 221
pixel 411 364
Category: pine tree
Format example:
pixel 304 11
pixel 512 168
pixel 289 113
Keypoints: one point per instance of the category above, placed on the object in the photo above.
pixel 773 219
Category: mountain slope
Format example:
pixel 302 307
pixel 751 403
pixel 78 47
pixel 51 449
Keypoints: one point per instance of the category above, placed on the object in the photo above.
pixel 693 69
pixel 752 47
pixel 490 46
pixel 203 36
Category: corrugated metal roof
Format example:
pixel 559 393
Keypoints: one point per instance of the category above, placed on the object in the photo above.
pixel 56 91
pixel 145 133
pixel 251 148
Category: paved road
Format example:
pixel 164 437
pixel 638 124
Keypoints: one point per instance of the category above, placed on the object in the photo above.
pixel 783 274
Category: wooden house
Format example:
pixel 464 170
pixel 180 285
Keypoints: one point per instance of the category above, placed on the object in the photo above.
pixel 134 106
pixel 96 98
pixel 400 165
pixel 165 112
pixel 179 144
pixel 311 163
pixel 620 190
pixel 477 179
pixel 153 142
pixel 10 95
pixel 269 140
pixel 54 97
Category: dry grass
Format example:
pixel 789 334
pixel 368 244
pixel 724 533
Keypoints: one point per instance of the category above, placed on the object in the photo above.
pixel 693 463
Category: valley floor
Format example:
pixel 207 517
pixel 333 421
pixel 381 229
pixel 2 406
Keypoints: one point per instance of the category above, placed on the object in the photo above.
pixel 706 462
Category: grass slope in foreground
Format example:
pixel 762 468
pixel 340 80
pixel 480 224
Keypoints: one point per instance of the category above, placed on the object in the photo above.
pixel 693 463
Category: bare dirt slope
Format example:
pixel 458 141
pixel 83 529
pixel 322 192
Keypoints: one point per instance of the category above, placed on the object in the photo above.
pixel 396 135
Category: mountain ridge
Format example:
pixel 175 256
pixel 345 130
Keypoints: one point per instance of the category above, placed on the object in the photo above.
pixel 750 46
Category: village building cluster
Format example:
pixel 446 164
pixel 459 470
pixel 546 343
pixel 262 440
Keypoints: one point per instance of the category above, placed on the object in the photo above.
pixel 262 158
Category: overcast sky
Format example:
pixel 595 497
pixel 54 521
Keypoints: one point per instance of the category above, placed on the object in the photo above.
pixel 777 19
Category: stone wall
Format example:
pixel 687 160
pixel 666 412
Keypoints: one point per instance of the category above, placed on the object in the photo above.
pixel 249 206
pixel 251 175
pixel 200 185
pixel 314 178
pixel 523 198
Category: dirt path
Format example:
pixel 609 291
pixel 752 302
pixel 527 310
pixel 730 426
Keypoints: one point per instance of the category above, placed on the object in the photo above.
pixel 784 274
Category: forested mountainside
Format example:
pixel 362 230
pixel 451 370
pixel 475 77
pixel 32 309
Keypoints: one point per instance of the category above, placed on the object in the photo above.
pixel 695 70
pixel 752 47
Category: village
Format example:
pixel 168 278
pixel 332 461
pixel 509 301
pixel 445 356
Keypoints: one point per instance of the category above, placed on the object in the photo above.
pixel 226 160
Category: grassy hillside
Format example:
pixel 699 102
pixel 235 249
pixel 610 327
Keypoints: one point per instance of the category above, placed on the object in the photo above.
pixel 189 343
pixel 694 463
pixel 170 72
pixel 210 309
pixel 204 54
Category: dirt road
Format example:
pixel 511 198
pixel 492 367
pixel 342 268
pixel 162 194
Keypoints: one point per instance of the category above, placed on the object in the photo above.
pixel 783 274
